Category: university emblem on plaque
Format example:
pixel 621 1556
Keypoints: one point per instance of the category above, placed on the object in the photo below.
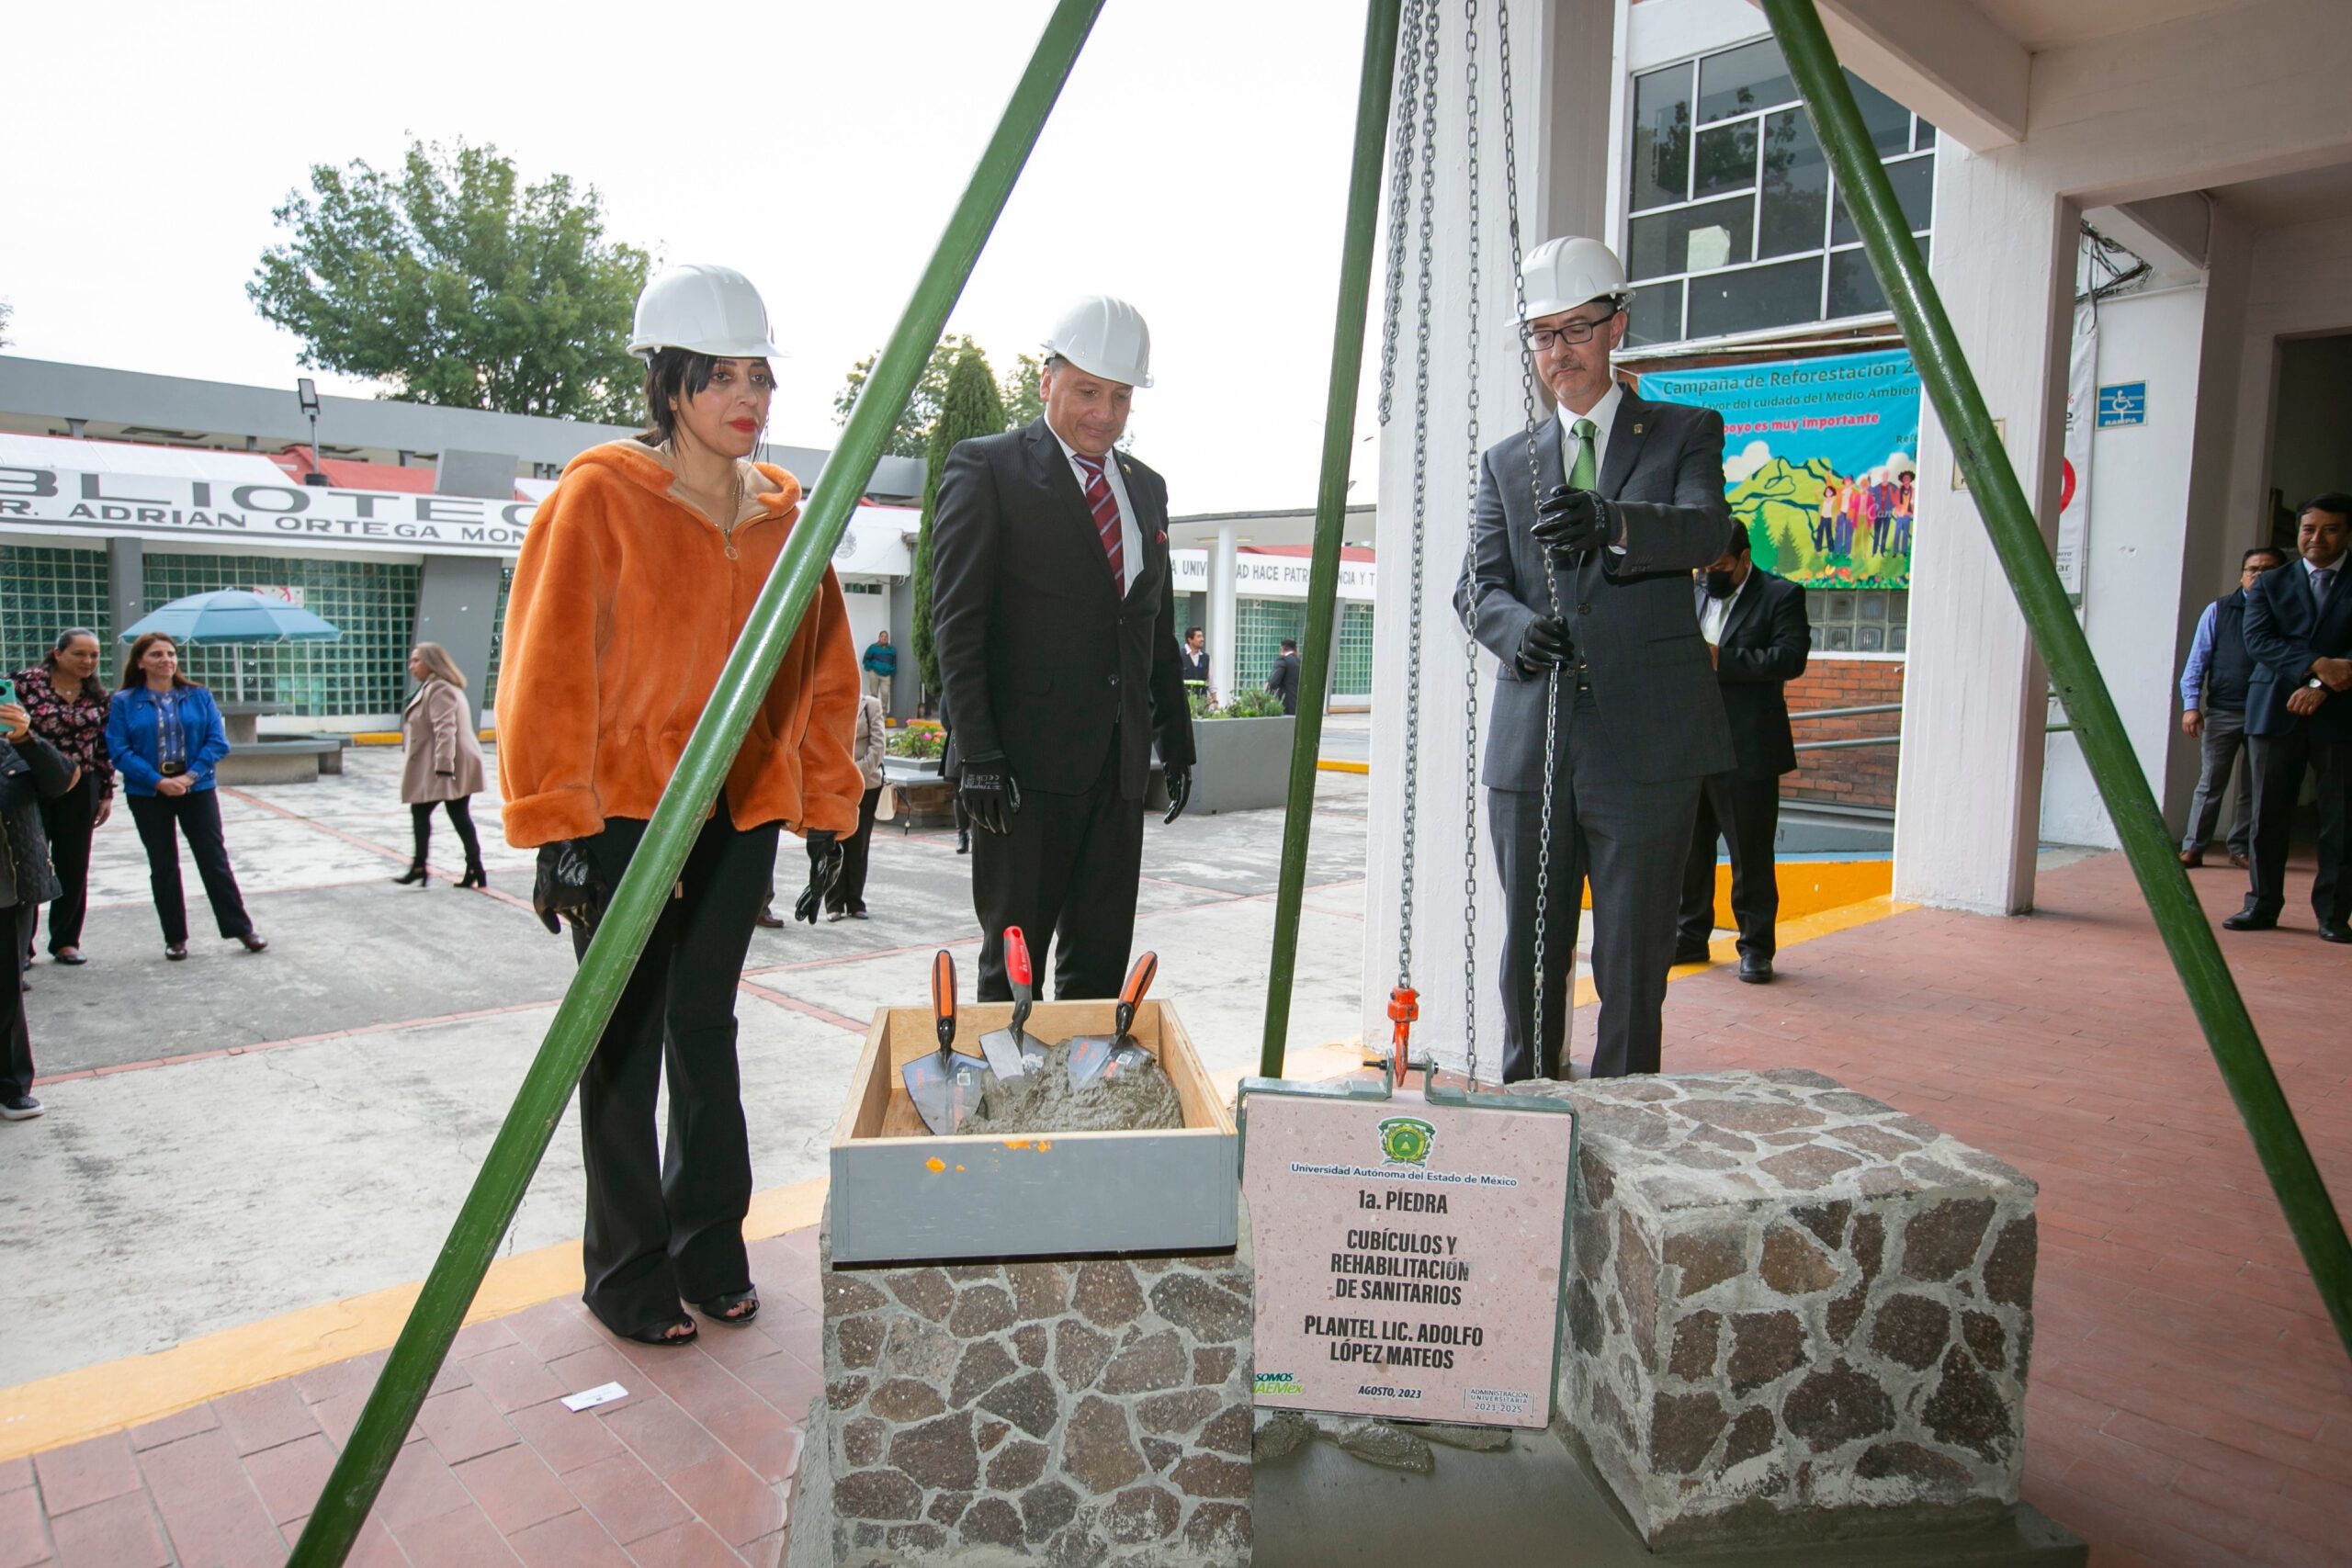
pixel 1406 1140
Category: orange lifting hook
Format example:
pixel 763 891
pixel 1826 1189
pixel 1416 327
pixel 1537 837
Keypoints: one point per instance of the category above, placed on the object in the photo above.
pixel 1404 1008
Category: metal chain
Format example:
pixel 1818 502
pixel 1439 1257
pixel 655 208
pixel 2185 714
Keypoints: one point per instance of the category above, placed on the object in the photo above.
pixel 1470 568
pixel 1400 177
pixel 1420 489
pixel 1535 491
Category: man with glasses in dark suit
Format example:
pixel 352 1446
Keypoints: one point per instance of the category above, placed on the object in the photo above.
pixel 1580 584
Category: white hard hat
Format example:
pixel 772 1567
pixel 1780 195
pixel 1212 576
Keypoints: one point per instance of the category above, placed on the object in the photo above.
pixel 1560 275
pixel 711 310
pixel 1104 337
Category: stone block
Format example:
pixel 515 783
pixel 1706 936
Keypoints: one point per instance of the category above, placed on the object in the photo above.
pixel 1050 1411
pixel 1792 1310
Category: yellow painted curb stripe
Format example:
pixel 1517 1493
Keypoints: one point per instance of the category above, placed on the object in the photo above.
pixel 1807 887
pixel 1340 765
pixel 393 737
pixel 92 1401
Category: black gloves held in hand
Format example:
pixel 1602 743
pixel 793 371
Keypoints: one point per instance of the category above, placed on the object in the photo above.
pixel 567 885
pixel 1179 791
pixel 1570 521
pixel 1544 646
pixel 825 857
pixel 988 793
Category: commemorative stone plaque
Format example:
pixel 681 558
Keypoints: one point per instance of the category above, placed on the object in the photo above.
pixel 1409 1251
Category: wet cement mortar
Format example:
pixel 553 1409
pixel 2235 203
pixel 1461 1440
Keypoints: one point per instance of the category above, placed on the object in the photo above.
pixel 1043 1099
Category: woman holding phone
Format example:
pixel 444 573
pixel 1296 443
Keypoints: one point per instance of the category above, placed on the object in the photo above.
pixel 635 579
pixel 164 732
pixel 67 703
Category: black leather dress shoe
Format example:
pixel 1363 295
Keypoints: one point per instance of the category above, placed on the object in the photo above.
pixel 255 942
pixel 1756 969
pixel 2248 921
pixel 176 951
pixel 2336 932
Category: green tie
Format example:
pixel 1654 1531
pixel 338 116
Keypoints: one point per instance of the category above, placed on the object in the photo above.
pixel 1580 472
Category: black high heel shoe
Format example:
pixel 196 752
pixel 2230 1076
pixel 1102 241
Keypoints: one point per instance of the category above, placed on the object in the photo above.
pixel 475 876
pixel 415 873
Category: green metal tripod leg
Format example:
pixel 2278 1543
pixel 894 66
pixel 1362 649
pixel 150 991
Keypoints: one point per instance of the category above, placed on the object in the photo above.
pixel 588 1004
pixel 2058 636
pixel 1330 513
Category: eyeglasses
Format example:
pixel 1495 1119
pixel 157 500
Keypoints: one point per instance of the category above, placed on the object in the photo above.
pixel 1540 339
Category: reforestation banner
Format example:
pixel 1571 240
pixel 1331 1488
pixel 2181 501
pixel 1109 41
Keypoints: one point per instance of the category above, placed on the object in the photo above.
pixel 1819 461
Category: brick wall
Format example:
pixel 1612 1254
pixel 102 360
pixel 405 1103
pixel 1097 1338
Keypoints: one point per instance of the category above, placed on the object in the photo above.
pixel 1860 775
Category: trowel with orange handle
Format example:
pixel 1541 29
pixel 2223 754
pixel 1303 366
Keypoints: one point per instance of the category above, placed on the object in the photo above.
pixel 1093 1058
pixel 944 1087
pixel 1010 1053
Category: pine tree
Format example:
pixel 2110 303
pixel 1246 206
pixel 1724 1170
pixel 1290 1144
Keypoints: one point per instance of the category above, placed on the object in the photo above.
pixel 970 405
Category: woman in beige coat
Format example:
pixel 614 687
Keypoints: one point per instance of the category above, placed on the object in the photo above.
pixel 444 762
pixel 846 900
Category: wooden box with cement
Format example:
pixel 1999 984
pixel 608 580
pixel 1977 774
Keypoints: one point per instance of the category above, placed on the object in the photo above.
pixel 900 1193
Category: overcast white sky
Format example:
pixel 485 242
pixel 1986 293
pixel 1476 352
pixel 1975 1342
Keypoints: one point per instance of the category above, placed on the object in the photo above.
pixel 1197 165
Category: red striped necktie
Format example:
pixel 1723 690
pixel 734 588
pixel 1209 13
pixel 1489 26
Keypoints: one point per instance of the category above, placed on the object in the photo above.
pixel 1105 507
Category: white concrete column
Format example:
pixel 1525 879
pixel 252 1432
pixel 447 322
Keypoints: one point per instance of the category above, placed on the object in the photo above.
pixel 1968 798
pixel 1224 680
pixel 1566 65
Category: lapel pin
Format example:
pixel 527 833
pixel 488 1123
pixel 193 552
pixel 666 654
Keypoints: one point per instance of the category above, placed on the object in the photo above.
pixel 1637 430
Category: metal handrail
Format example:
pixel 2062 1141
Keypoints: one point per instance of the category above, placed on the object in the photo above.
pixel 2059 639
pixel 358 1475
pixel 1846 713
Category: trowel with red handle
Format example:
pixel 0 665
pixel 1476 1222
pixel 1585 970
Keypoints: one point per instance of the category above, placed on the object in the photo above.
pixel 944 1087
pixel 1093 1058
pixel 1010 1053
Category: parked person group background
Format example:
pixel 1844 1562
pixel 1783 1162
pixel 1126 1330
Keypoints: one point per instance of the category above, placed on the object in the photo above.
pixel 66 699
pixel 441 765
pixel 164 734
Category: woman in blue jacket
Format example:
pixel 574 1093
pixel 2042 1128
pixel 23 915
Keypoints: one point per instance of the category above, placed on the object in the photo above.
pixel 164 732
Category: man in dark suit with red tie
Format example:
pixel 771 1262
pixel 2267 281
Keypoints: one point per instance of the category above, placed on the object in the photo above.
pixel 1056 629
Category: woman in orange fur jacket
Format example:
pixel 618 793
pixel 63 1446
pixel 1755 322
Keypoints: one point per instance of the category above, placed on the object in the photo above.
pixel 636 579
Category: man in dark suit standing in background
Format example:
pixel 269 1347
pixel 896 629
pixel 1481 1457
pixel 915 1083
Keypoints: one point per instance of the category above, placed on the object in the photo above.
pixel 1580 584
pixel 2298 714
pixel 1195 656
pixel 1283 680
pixel 1756 630
pixel 1057 635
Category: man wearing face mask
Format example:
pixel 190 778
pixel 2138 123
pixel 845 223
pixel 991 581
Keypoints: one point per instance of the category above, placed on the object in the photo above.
pixel 1056 635
pixel 1580 584
pixel 1758 635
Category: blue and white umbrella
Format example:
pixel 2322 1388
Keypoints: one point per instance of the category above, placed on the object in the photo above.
pixel 234 616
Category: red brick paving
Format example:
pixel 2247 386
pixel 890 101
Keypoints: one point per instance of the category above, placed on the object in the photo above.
pixel 2188 1401
pixel 690 1469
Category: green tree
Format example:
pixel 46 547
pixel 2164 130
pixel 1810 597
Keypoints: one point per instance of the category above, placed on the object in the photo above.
pixel 451 282
pixel 6 311
pixel 910 437
pixel 969 405
pixel 1024 397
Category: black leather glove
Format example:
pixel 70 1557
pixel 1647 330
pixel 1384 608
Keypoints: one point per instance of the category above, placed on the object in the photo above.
pixel 1179 791
pixel 1544 646
pixel 567 885
pixel 1570 521
pixel 825 857
pixel 988 793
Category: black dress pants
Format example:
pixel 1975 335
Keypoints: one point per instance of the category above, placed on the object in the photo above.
pixel 848 893
pixel 16 1043
pixel 197 816
pixel 1631 840
pixel 1068 868
pixel 1745 813
pixel 68 822
pixel 2279 765
pixel 666 1222
pixel 462 817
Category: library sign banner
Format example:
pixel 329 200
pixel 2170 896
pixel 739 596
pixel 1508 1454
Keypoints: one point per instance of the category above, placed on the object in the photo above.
pixel 239 516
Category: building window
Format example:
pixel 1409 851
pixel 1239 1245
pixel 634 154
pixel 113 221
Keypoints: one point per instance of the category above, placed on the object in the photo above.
pixel 1736 225
pixel 364 671
pixel 1351 669
pixel 1858 621
pixel 44 591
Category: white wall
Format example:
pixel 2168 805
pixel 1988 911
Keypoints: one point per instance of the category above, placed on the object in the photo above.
pixel 2134 551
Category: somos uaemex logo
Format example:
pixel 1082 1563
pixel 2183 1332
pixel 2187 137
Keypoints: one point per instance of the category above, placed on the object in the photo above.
pixel 1406 1140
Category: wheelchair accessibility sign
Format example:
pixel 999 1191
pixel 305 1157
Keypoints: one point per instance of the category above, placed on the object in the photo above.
pixel 2125 402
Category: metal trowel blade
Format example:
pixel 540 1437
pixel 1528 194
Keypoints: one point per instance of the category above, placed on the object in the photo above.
pixel 1089 1056
pixel 1127 1059
pixel 1006 1057
pixel 945 1089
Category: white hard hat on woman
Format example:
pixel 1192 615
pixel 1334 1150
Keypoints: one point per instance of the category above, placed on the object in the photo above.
pixel 711 310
